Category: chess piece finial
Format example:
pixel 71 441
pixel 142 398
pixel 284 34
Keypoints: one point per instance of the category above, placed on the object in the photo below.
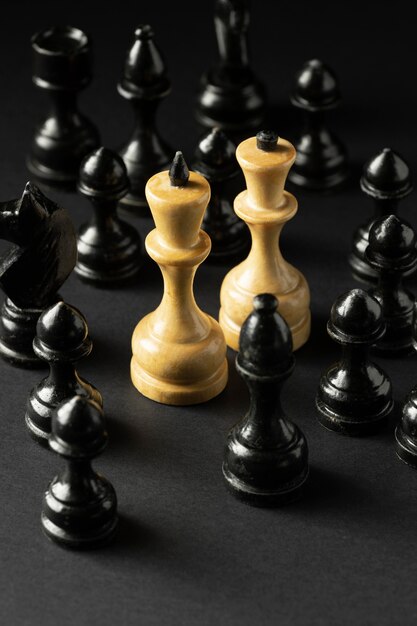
pixel 179 352
pixel 406 431
pixel 61 67
pixel 215 159
pixel 179 172
pixel 230 95
pixel 80 506
pixel 321 162
pixel 265 207
pixel 43 255
pixel 266 456
pixel 144 84
pixel 109 249
pixel 61 340
pixel 354 395
pixel 386 178
pixel 392 254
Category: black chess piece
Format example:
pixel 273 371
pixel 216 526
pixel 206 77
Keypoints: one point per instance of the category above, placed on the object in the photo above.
pixel 109 249
pixel 61 67
pixel 230 96
pixel 387 179
pixel 406 431
pixel 321 162
pixel 79 506
pixel 266 456
pixel 61 340
pixel 144 84
pixel 392 253
pixel 215 160
pixel 354 395
pixel 32 271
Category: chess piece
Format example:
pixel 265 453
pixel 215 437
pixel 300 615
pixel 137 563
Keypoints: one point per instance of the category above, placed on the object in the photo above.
pixel 354 395
pixel 61 340
pixel 215 160
pixel 265 207
pixel 144 84
pixel 32 271
pixel 80 506
pixel 266 456
pixel 406 431
pixel 62 67
pixel 109 249
pixel 392 253
pixel 179 352
pixel 230 96
pixel 386 178
pixel 321 162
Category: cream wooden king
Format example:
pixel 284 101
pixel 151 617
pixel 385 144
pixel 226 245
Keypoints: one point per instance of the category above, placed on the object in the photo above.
pixel 265 207
pixel 179 352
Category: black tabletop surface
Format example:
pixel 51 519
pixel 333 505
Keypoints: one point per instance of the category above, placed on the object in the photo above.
pixel 187 552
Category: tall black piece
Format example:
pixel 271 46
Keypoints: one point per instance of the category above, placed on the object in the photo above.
pixel 144 84
pixel 354 395
pixel 31 272
pixel 79 507
pixel 61 67
pixel 392 254
pixel 215 160
pixel 230 96
pixel 406 431
pixel 321 162
pixel 266 456
pixel 387 179
pixel 109 249
pixel 61 340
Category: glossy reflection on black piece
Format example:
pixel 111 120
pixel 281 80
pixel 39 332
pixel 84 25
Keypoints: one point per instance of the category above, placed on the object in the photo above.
pixel 387 179
pixel 144 84
pixel 215 159
pixel 230 96
pixel 80 506
pixel 61 67
pixel 354 395
pixel 392 254
pixel 109 249
pixel 266 456
pixel 321 162
pixel 406 431
pixel 43 255
pixel 61 340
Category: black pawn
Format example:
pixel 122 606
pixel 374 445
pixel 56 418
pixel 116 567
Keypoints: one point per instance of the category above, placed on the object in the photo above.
pixel 215 160
pixel 61 340
pixel 42 256
pixel 80 506
pixel 321 162
pixel 230 96
pixel 109 249
pixel 61 67
pixel 144 84
pixel 406 432
pixel 354 395
pixel 392 254
pixel 387 179
pixel 266 456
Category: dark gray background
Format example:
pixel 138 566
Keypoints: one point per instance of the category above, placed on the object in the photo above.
pixel 187 552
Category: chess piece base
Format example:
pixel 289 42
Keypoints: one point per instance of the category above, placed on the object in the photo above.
pixel 265 497
pixel 406 450
pixel 186 373
pixel 348 426
pixel 232 108
pixel 325 183
pixel 81 527
pixel 17 331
